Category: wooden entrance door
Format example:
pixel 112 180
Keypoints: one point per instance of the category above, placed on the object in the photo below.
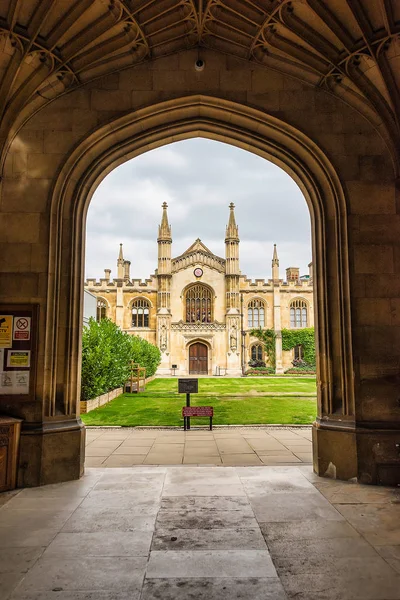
pixel 198 359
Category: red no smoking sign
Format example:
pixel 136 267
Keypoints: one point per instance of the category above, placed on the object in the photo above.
pixel 22 328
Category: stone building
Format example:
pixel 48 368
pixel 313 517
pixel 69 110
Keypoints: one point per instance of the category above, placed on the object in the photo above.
pixel 312 86
pixel 199 309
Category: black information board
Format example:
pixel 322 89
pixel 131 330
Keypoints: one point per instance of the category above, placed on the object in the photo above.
pixel 188 386
pixel 18 345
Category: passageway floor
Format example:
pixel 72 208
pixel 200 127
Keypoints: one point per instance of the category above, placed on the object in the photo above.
pixel 230 446
pixel 189 532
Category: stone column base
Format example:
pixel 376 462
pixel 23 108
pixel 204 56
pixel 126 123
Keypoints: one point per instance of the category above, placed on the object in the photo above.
pixel 164 371
pixel 334 451
pixel 368 452
pixel 51 452
pixel 233 373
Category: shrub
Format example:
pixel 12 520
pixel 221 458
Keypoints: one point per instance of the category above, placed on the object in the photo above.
pixel 260 371
pixel 106 355
pixel 301 367
pixel 256 363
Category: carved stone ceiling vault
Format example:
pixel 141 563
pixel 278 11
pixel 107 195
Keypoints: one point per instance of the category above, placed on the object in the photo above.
pixel 349 47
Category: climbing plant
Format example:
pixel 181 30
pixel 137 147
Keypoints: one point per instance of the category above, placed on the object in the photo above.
pixel 303 337
pixel 267 337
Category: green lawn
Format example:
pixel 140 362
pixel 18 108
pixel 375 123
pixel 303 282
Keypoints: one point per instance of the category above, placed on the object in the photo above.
pixel 235 401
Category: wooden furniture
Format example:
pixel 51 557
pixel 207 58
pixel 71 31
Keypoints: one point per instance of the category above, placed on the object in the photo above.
pixel 137 379
pixel 10 430
pixel 196 411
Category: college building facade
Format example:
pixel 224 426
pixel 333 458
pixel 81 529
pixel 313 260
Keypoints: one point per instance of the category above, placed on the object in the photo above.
pixel 199 309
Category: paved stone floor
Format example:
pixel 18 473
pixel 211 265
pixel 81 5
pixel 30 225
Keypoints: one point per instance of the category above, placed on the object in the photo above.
pixel 200 533
pixel 248 446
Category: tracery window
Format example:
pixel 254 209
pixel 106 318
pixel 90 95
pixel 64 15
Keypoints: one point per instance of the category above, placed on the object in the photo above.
pixel 140 313
pixel 256 314
pixel 298 314
pixel 257 352
pixel 101 312
pixel 198 304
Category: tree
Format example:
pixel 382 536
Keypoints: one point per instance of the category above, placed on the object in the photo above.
pixel 106 355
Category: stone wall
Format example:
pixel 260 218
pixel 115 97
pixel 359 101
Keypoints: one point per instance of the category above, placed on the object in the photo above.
pixel 344 167
pixel 88 405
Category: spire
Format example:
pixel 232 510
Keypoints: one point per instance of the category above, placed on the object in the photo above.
pixel 275 259
pixel 275 265
pixel 164 230
pixel 120 263
pixel 232 231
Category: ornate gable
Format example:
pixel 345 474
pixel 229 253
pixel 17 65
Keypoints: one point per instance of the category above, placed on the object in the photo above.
pixel 198 254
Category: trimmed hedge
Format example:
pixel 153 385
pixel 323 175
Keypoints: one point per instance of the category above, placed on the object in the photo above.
pixel 106 355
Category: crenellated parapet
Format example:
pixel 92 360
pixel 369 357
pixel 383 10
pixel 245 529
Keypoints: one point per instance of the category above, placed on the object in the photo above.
pixel 131 286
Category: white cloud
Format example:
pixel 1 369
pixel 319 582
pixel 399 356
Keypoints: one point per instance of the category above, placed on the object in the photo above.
pixel 198 178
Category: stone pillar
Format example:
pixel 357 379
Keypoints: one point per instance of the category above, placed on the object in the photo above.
pixel 164 275
pixel 278 329
pixel 119 307
pixel 277 312
pixel 232 275
pixel 233 362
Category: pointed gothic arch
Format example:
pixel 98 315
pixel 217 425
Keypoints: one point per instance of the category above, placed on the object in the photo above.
pixel 252 130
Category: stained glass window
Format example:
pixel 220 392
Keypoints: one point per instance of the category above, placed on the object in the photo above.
pixel 198 304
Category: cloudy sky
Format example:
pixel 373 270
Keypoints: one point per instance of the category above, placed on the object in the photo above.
pixel 198 178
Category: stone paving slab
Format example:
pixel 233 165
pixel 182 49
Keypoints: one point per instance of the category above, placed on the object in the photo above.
pixel 215 533
pixel 213 589
pixel 126 447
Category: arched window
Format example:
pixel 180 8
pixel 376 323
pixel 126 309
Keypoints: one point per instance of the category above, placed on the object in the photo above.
pixel 198 304
pixel 256 314
pixel 101 309
pixel 140 313
pixel 298 352
pixel 298 314
pixel 257 352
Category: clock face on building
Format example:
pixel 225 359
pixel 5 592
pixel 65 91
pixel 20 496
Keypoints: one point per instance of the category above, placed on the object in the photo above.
pixel 198 272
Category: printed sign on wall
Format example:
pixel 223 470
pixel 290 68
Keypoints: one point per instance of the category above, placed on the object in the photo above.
pixel 6 323
pixel 18 342
pixel 22 328
pixel 14 382
pixel 18 358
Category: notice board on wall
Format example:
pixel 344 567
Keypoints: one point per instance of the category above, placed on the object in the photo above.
pixel 18 347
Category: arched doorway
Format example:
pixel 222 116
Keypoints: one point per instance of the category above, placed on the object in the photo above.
pixel 343 392
pixel 198 359
pixel 274 140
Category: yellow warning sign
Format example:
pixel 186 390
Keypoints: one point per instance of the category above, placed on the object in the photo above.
pixel 6 325
pixel 18 358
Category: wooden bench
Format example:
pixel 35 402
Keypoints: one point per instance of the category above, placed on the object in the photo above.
pixel 196 411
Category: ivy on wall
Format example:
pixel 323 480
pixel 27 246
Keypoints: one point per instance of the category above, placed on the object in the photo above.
pixel 303 337
pixel 267 337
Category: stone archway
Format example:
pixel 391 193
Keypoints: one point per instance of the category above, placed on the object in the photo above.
pixel 256 132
